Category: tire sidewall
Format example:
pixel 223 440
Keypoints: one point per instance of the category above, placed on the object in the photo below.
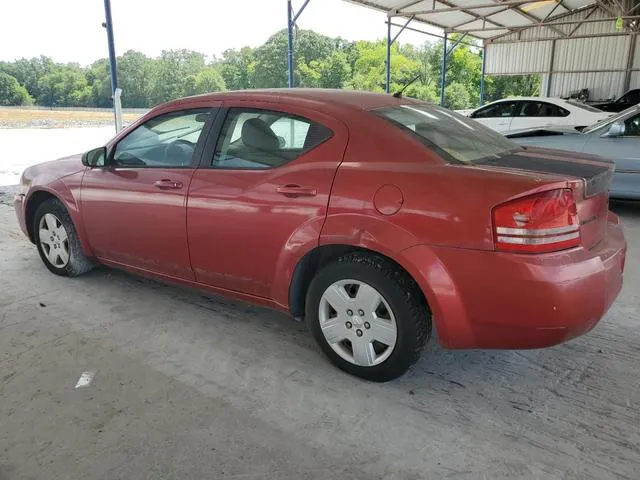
pixel 407 336
pixel 76 256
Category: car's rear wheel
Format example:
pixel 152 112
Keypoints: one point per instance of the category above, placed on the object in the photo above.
pixel 57 240
pixel 368 316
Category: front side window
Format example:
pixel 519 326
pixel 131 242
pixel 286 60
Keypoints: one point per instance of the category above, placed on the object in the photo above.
pixel 632 126
pixel 455 138
pixel 167 141
pixel 632 97
pixel 262 139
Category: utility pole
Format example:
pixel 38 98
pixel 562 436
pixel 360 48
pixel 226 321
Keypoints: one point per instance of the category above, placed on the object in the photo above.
pixel 108 25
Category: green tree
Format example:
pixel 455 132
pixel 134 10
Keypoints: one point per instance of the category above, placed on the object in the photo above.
pixel 136 72
pixel 99 80
pixel 207 80
pixel 28 72
pixel 175 74
pixel 66 85
pixel 269 70
pixel 369 69
pixel 12 93
pixel 236 68
pixel 457 96
pixel 497 87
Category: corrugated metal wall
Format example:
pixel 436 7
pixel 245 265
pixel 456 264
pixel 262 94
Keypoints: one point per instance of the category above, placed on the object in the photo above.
pixel 601 85
pixel 589 54
pixel 596 63
pixel 508 58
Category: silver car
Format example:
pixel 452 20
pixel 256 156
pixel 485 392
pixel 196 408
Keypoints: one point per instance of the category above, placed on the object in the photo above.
pixel 617 138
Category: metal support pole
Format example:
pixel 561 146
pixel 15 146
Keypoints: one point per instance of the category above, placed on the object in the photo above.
pixel 457 42
pixel 484 65
pixel 290 44
pixel 551 61
pixel 632 50
pixel 387 63
pixel 443 78
pixel 112 49
pixel 390 41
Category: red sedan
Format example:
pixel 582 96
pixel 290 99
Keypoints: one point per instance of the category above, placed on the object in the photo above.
pixel 371 217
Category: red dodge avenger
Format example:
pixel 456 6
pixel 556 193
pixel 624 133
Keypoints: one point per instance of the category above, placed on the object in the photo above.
pixel 374 218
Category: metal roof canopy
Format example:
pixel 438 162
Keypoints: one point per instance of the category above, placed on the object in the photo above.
pixel 492 19
pixel 505 25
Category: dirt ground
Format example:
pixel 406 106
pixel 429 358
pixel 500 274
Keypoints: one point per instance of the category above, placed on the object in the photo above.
pixel 37 118
pixel 187 386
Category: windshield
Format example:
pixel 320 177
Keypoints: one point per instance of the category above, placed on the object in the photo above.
pixel 584 106
pixel 608 121
pixel 454 137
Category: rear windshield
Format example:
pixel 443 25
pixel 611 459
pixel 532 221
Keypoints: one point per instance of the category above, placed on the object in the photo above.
pixel 584 106
pixel 455 138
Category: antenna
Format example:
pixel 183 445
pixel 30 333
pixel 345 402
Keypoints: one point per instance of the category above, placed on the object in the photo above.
pixel 411 82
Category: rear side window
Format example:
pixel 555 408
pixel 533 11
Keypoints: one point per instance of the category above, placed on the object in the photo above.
pixel 542 109
pixel 262 139
pixel 455 138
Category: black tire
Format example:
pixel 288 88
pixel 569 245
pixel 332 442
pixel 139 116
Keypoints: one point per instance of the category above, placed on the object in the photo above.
pixel 413 318
pixel 78 263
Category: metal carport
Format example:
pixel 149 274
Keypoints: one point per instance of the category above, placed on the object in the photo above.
pixel 572 43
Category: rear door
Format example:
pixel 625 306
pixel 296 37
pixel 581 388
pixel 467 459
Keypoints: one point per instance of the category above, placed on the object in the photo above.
pixel 533 114
pixel 261 193
pixel 497 116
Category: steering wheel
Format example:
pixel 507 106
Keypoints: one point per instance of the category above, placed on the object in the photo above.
pixel 181 149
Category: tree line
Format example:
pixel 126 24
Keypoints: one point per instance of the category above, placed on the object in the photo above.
pixel 320 61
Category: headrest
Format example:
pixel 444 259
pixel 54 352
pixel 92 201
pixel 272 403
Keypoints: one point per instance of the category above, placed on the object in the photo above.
pixel 257 134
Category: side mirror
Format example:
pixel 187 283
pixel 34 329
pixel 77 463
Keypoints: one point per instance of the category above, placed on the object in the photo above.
pixel 616 129
pixel 95 158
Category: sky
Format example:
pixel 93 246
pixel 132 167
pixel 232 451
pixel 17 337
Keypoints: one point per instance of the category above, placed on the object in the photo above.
pixel 71 31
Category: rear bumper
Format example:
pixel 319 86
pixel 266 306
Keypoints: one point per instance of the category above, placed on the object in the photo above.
pixel 485 299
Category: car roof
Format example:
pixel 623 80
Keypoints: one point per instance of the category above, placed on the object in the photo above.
pixel 335 97
pixel 532 99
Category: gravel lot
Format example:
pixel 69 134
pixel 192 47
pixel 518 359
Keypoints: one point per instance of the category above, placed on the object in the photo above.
pixel 192 387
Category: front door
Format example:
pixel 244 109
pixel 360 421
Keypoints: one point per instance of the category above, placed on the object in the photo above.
pixel 134 208
pixel 262 193
pixel 497 116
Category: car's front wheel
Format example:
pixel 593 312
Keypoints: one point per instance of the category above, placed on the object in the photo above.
pixel 57 240
pixel 368 316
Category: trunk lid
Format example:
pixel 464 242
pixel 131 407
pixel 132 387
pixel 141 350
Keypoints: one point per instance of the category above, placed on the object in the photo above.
pixel 589 176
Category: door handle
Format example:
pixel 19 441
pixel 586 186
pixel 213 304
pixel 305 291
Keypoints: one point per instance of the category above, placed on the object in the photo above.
pixel 167 184
pixel 296 191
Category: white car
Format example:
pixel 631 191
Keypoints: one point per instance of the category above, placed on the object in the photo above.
pixel 533 112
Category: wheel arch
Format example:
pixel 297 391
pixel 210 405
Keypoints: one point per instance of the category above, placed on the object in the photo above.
pixel 315 260
pixel 36 199
pixel 59 192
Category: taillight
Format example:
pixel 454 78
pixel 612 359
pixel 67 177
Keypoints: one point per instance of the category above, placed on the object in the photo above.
pixel 542 222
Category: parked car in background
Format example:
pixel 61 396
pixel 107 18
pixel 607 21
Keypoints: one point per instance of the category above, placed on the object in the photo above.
pixel 617 138
pixel 629 99
pixel 529 112
pixel 371 217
